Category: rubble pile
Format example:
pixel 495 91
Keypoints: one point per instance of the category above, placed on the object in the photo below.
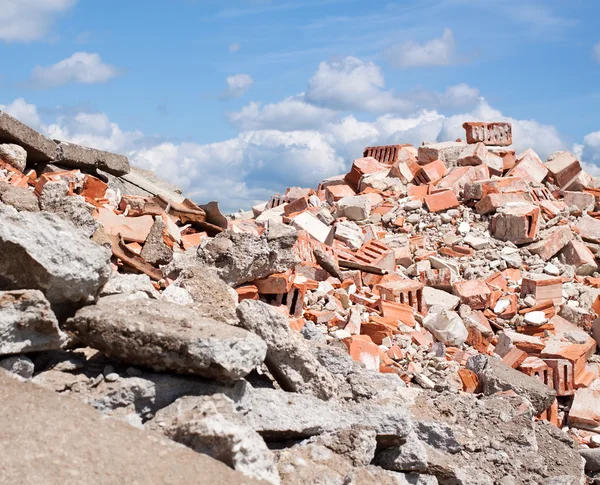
pixel 429 317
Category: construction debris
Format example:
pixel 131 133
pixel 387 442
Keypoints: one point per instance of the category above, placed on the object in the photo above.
pixel 432 316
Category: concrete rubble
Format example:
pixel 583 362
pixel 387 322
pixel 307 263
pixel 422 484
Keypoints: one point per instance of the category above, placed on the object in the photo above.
pixel 430 317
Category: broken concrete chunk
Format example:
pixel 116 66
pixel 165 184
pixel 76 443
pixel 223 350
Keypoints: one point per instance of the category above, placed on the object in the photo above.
pixel 155 250
pixel 55 199
pixel 38 147
pixel 447 327
pixel 18 365
pixel 448 152
pixel 355 208
pixel 20 198
pixel 14 155
pixel 129 283
pixel 443 299
pixel 495 376
pixel 213 428
pixel 241 258
pixel 165 336
pixel 77 156
pixel 288 356
pixel 27 323
pixel 312 225
pixel 59 259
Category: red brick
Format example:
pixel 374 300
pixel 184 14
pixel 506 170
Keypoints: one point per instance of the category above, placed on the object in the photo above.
pixel 564 167
pixel 441 201
pixel 498 134
pixel 519 224
pixel 529 167
pixel 389 154
pixel 563 376
pixel 473 293
pixel 362 349
pixel 542 287
pixel 494 201
pixel 297 205
pixel 333 193
pixel 551 242
pixel 275 284
pixel 469 380
pixel 430 173
pixel 361 167
pixel 190 241
pixel 248 292
pixel 409 292
pixel 398 311
pixel 515 357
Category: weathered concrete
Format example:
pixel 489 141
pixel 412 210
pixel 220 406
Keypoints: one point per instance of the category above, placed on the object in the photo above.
pixel 42 251
pixel 38 147
pixel 20 198
pixel 166 336
pixel 77 156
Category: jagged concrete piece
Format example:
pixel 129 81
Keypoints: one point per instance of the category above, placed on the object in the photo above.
pixel 288 356
pixel 20 198
pixel 45 252
pixel 13 154
pixel 155 250
pixel 495 376
pixel 38 147
pixel 77 156
pixel 240 258
pixel 57 440
pixel 213 428
pixel 27 323
pixel 55 198
pixel 166 336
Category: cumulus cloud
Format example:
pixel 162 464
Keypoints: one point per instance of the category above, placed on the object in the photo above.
pixel 237 85
pixel 436 52
pixel 24 112
pixel 596 52
pixel 293 113
pixel 29 20
pixel 81 68
pixel 351 84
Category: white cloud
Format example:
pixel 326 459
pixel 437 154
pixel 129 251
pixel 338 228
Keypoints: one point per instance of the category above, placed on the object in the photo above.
pixel 24 112
pixel 436 52
pixel 81 67
pixel 29 20
pixel 596 52
pixel 234 48
pixel 352 84
pixel 293 113
pixel 237 85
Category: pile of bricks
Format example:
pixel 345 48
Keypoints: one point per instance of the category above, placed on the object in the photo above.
pixel 414 261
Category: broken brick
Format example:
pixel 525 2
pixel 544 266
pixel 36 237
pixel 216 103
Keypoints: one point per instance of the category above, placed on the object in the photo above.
pixel 441 201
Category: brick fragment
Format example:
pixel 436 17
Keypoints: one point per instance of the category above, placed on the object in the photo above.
pixel 275 284
pixel 498 133
pixel 577 254
pixel 430 173
pixel 362 349
pixel 441 201
pixel 398 311
pixel 473 154
pixel 480 188
pixel 551 242
pixel 494 201
pixel 518 224
pixel 529 167
pixel 469 380
pixel 542 287
pixel 585 410
pixel 589 229
pixel 360 168
pixel 247 292
pixel 333 193
pixel 563 376
pixel 390 154
pixel 378 254
pixel 474 293
pixel 448 152
pixel 564 167
pixel 409 292
pixel 515 357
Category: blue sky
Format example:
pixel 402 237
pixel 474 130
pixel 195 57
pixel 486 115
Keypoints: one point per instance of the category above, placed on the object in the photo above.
pixel 235 100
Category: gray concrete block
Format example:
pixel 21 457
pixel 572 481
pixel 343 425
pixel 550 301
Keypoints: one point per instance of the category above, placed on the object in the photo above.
pixel 38 147
pixel 77 156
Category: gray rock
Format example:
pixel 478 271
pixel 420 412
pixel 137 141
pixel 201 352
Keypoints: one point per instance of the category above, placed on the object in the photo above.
pixel 155 250
pixel 42 251
pixel 328 263
pixel 176 294
pixel 19 365
pixel 38 147
pixel 357 444
pixel 289 359
pixel 55 199
pixel 592 458
pixel 129 283
pixel 311 332
pixel 20 198
pixel 27 323
pixel 240 258
pixel 410 456
pixel 495 376
pixel 355 208
pixel 13 154
pixel 56 440
pixel 278 415
pixel 76 156
pixel 165 336
pixel 210 294
pixel 224 437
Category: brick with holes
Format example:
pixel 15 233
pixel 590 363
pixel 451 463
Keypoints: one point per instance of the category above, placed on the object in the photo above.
pixel 519 223
pixel 496 133
pixel 409 292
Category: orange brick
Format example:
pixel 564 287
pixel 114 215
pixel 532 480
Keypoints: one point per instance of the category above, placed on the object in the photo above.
pixel 515 357
pixel 441 201
pixel 297 324
pixel 398 311
pixel 469 380
pixel 248 292
pixel 473 293
pixel 190 241
pixel 362 349
pixel 333 193
pixel 275 284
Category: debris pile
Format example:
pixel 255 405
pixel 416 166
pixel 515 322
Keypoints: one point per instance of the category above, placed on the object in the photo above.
pixel 429 317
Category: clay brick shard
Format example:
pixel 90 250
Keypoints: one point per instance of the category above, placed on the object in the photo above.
pixel 564 168
pixel 563 377
pixel 589 229
pixel 577 254
pixel 390 154
pixel 551 242
pixel 498 134
pixel 360 168
pixel 529 167
pixel 474 293
pixel 518 224
pixel 542 287
pixel 480 188
pixel 377 254
pixel 441 201
pixel 408 292
pixel 430 173
pixel 494 201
